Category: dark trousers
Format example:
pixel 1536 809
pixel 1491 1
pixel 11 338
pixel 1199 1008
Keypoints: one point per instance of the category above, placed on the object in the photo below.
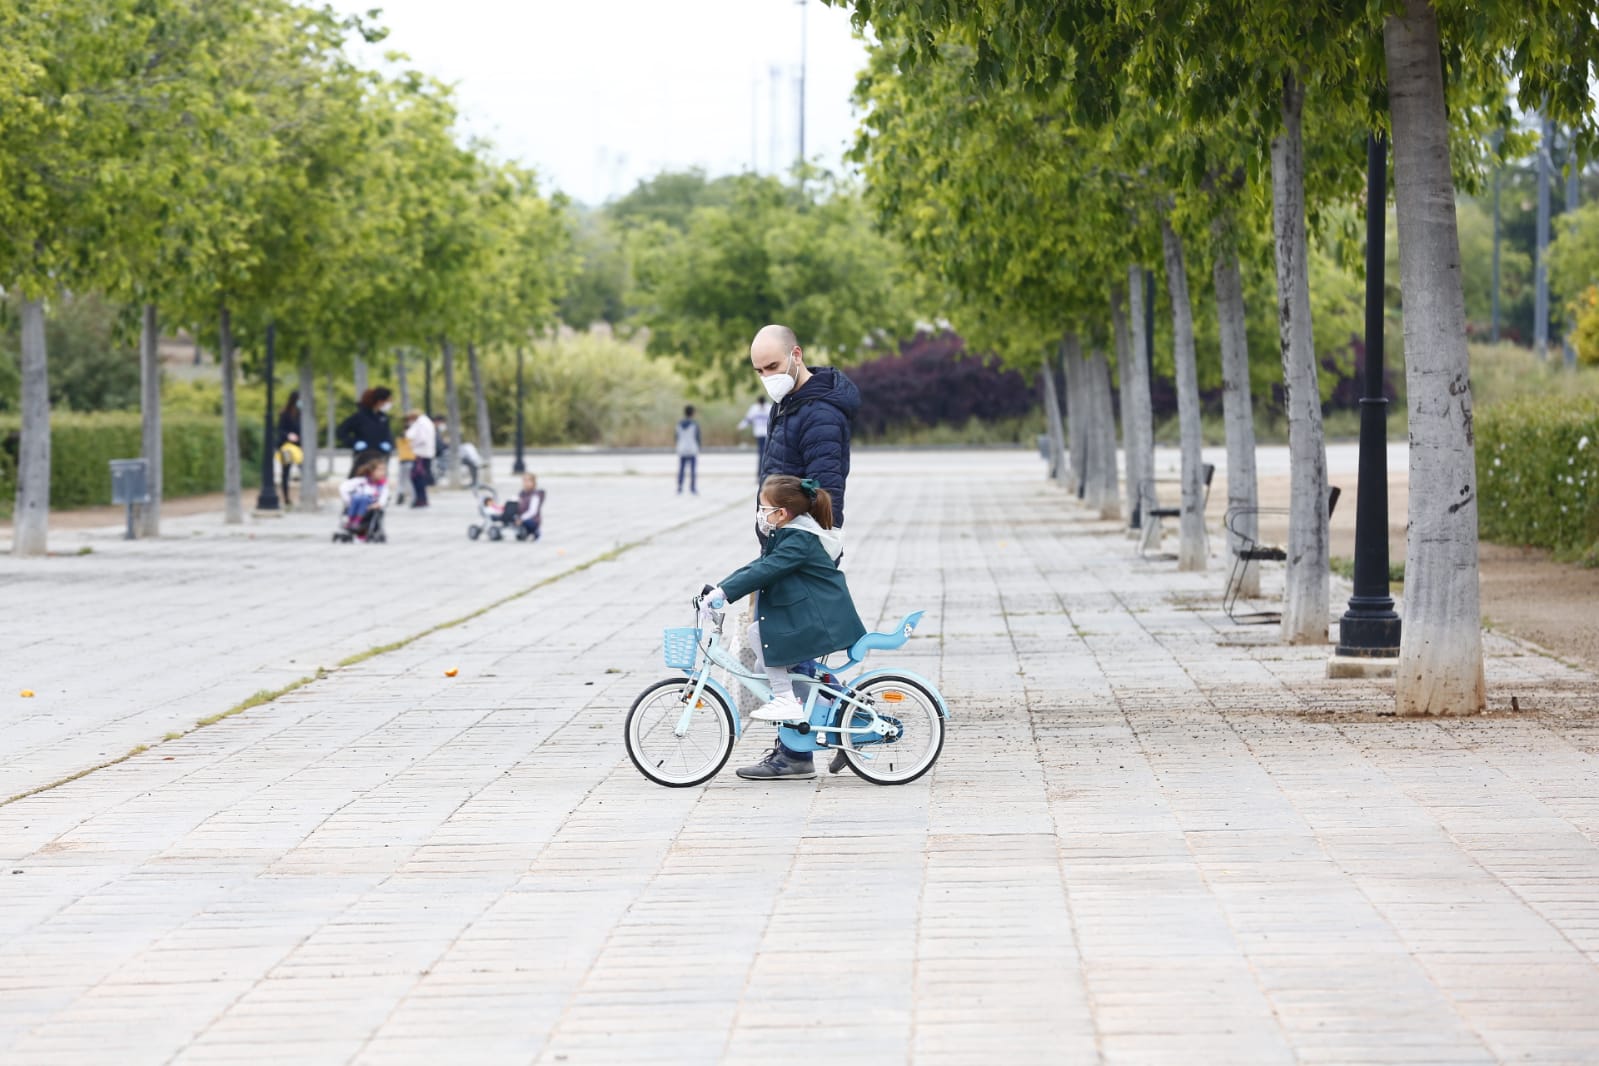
pixel 691 464
pixel 760 457
pixel 421 475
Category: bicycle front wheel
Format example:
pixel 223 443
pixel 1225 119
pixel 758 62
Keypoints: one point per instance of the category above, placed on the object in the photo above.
pixel 674 744
pixel 916 731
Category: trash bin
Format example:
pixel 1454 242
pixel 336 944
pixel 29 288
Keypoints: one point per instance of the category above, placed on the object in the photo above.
pixel 130 484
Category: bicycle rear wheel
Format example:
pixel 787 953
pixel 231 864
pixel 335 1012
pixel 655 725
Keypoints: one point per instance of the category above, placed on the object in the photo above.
pixel 917 731
pixel 673 748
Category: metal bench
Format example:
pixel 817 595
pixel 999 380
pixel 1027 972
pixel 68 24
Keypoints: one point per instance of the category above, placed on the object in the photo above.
pixel 1252 550
pixel 1149 511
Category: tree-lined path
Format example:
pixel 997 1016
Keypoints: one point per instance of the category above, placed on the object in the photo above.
pixel 1152 835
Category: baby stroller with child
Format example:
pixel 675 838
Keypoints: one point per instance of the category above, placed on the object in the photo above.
pixel 494 517
pixel 361 522
pixel 364 497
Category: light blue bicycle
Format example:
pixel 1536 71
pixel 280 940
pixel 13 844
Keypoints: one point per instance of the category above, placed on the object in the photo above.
pixel 680 731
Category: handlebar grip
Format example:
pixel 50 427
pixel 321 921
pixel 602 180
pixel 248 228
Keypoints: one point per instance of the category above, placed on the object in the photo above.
pixel 718 603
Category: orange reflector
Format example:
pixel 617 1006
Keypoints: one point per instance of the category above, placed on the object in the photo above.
pixel 893 696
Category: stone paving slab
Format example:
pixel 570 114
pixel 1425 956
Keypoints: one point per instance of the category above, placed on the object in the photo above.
pixel 1152 836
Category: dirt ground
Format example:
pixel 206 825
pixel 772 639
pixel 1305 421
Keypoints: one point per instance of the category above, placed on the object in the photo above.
pixel 1524 591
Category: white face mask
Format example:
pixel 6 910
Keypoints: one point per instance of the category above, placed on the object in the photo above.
pixel 763 523
pixel 780 385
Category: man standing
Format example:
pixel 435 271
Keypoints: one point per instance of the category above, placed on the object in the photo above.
pixel 757 418
pixel 810 422
pixel 808 436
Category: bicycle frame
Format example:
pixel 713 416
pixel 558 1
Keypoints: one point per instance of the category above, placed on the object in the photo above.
pixel 822 724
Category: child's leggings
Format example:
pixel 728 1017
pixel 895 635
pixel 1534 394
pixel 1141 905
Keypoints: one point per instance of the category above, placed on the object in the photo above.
pixel 777 676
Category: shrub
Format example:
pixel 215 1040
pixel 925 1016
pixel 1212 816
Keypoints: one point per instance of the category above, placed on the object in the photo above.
pixel 1538 473
pixel 935 381
pixel 82 446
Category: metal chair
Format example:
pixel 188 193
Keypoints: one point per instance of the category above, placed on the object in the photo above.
pixel 1251 550
pixel 1149 512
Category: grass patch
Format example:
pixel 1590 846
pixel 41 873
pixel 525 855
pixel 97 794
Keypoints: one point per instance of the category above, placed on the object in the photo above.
pixel 1345 568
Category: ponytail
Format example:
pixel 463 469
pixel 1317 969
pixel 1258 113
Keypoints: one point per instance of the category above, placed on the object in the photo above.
pixel 800 496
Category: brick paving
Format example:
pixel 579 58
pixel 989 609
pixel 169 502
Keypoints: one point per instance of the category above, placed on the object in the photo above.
pixel 1152 836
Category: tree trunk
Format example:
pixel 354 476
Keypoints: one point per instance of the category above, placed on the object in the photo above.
pixel 1071 359
pixel 360 377
pixel 401 382
pixel 308 432
pixel 452 404
pixel 1237 407
pixel 1104 452
pixel 1118 321
pixel 1138 418
pixel 149 514
pixel 333 429
pixel 485 438
pixel 232 489
pixel 1440 650
pixel 1191 528
pixel 30 524
pixel 1307 595
pixel 1057 432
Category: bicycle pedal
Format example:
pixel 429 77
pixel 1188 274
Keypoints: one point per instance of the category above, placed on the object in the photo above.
pixel 837 763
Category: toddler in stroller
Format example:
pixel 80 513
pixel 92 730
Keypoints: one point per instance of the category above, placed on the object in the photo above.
pixel 365 495
pixel 521 515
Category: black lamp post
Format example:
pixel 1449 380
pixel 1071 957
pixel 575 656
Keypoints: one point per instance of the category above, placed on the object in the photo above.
pixel 427 385
pixel 1370 627
pixel 520 466
pixel 268 498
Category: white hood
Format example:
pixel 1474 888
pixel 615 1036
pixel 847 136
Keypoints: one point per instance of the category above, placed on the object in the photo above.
pixel 832 539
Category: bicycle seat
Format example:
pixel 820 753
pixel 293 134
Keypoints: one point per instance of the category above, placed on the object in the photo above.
pixel 885 641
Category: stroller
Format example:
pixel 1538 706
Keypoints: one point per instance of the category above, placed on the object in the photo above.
pixel 494 517
pixel 362 519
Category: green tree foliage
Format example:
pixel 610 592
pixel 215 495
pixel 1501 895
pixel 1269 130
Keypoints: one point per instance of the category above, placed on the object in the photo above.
pixel 768 252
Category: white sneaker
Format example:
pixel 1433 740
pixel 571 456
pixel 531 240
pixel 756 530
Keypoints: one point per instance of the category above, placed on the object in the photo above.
pixel 780 709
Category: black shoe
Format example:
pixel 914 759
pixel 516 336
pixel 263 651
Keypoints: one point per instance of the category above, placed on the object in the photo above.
pixel 780 763
pixel 837 763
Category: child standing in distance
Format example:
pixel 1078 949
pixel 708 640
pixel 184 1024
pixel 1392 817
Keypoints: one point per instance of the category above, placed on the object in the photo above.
pixel 803 611
pixel 688 451
pixel 529 508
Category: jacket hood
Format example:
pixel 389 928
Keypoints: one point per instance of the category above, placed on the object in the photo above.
pixel 828 384
pixel 832 539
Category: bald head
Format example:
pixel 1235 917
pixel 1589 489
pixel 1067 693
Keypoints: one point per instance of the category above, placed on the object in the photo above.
pixel 773 340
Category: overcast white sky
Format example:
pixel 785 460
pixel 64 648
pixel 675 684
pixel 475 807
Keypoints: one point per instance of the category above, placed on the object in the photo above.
pixel 596 94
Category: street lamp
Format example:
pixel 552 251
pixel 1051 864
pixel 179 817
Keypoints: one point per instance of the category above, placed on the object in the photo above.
pixel 267 500
pixel 519 467
pixel 1368 633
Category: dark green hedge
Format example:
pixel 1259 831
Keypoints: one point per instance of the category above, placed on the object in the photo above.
pixel 82 446
pixel 1538 473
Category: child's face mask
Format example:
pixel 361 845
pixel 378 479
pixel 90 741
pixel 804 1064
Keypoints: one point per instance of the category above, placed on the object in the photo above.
pixel 763 519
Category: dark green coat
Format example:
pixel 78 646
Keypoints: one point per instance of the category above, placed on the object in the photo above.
pixel 804 608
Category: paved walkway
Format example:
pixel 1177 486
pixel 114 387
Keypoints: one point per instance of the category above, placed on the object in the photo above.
pixel 1152 836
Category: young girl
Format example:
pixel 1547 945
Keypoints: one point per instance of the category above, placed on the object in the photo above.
pixel 803 610
pixel 529 508
pixel 364 494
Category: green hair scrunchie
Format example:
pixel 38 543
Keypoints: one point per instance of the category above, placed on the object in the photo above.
pixel 809 486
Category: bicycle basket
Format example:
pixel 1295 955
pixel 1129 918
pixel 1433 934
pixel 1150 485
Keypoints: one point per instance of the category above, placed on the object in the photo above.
pixel 679 647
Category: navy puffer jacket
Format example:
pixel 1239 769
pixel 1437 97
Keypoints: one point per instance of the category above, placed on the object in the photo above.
pixel 809 433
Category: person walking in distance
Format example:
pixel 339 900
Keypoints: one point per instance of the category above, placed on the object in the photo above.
pixel 757 418
pixel 688 451
pixel 424 440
